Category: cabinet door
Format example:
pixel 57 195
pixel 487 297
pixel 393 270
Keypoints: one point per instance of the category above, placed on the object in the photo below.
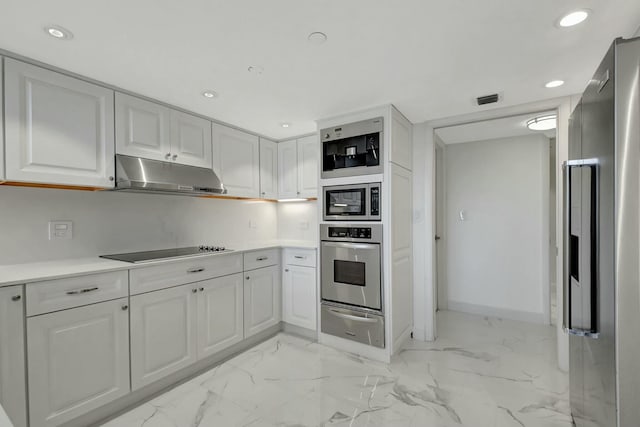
pixel 12 370
pixel 78 361
pixel 190 140
pixel 163 333
pixel 219 314
pixel 59 129
pixel 2 174
pixel 288 170
pixel 261 299
pixel 308 153
pixel 268 169
pixel 237 161
pixel 299 295
pixel 401 140
pixel 142 128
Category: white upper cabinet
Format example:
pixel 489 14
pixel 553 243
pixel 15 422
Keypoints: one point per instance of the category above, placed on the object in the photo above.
pixel 236 157
pixel 12 368
pixel 153 131
pixel 142 128
pixel 190 140
pixel 308 154
pixel 401 140
pixel 78 361
pixel 298 168
pixel 58 129
pixel 288 170
pixel 2 175
pixel 268 169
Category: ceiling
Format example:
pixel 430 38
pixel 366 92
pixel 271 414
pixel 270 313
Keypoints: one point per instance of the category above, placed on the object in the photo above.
pixel 492 129
pixel 429 58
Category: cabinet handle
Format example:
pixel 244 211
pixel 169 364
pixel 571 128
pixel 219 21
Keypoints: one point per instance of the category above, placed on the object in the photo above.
pixel 111 178
pixel 262 258
pixel 298 193
pixel 286 270
pixel 82 291
pixel 125 307
pixel 16 298
pixel 299 257
pixel 195 270
pixel 175 156
pixel 248 277
pixel 194 290
pixel 263 193
pixel 201 289
pixel 167 156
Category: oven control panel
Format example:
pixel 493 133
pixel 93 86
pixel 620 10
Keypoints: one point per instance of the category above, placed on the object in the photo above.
pixel 352 232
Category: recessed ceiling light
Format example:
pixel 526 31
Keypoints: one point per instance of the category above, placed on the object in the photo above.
pixel 573 18
pixel 317 37
pixel 554 83
pixel 542 122
pixel 256 69
pixel 285 125
pixel 58 32
pixel 209 94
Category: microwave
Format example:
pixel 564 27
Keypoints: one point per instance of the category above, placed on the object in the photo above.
pixel 353 149
pixel 358 202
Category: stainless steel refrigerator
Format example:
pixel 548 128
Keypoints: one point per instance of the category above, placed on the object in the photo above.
pixel 602 236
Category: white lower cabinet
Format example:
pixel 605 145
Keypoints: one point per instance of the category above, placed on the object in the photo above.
pixel 261 299
pixel 78 360
pixel 220 320
pixel 12 369
pixel 163 333
pixel 299 290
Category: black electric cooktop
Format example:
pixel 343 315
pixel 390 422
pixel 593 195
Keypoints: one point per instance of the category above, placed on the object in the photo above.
pixel 148 256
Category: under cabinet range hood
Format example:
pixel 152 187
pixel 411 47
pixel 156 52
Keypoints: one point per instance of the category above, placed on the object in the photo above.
pixel 152 176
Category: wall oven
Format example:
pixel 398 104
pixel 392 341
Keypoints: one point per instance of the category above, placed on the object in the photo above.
pixel 351 282
pixel 353 149
pixel 359 202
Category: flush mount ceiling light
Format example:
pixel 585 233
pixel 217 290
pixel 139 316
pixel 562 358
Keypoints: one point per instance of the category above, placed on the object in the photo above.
pixel 542 122
pixel 573 18
pixel 255 69
pixel 285 125
pixel 317 37
pixel 554 83
pixel 58 32
pixel 209 94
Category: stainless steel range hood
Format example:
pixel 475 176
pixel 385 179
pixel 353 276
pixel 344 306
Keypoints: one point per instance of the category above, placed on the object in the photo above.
pixel 152 176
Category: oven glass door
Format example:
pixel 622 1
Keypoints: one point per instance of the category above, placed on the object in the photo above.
pixel 351 274
pixel 348 203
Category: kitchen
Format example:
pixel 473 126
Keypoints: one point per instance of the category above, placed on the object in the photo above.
pixel 164 221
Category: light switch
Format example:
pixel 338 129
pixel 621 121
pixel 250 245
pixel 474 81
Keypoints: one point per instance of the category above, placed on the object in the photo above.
pixel 59 230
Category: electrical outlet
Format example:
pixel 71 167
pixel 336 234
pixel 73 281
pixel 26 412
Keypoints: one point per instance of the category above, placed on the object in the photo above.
pixel 60 230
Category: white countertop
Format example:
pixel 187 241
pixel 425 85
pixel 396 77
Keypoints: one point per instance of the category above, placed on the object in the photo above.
pixel 15 274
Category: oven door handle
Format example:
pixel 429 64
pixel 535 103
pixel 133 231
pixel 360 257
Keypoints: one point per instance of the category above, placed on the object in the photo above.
pixel 350 245
pixel 353 317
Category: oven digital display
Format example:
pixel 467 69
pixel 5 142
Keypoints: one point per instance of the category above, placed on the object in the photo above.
pixel 349 272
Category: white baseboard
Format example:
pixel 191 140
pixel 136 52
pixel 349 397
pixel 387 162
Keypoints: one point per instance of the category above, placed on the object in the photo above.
pixel 503 313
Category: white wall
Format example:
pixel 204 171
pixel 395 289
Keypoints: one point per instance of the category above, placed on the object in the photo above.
pixel 497 258
pixel 112 222
pixel 298 221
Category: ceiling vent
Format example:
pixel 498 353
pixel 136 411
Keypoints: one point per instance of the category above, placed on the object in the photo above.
pixel 488 99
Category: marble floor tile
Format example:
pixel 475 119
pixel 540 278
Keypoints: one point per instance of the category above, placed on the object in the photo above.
pixel 480 372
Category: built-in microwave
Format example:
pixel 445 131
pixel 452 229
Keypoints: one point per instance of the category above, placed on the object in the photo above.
pixel 357 202
pixel 352 149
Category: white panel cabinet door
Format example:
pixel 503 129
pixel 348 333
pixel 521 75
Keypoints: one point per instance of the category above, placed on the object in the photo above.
pixel 78 361
pixel 220 317
pixel 401 141
pixel 268 169
pixel 190 140
pixel 237 161
pixel 308 154
pixel 261 299
pixel 288 170
pixel 299 295
pixel 163 333
pixel 58 129
pixel 12 368
pixel 2 175
pixel 142 128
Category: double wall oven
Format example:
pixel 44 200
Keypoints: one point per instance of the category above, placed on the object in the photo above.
pixel 351 277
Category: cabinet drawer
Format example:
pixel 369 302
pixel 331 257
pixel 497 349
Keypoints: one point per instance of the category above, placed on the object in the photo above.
pixel 262 258
pixel 60 294
pixel 353 325
pixel 301 257
pixel 162 276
